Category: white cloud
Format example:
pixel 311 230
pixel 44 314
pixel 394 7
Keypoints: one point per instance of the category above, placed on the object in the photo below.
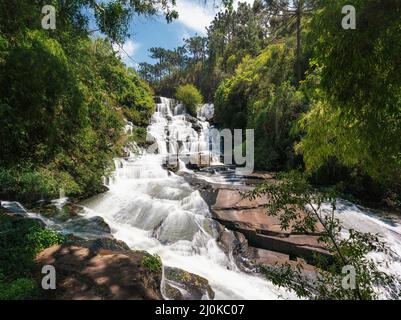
pixel 127 51
pixel 195 15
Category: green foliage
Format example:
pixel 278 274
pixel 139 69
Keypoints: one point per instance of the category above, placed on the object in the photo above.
pixel 206 61
pixel 28 184
pixel 111 17
pixel 19 289
pixel 44 238
pixel 190 97
pixel 63 99
pixel 20 241
pixel 261 96
pixel 297 205
pixel 356 91
pixel 152 262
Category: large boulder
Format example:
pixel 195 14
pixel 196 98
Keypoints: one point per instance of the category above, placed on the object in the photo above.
pixel 95 273
pixel 261 230
pixel 235 244
pixel 183 285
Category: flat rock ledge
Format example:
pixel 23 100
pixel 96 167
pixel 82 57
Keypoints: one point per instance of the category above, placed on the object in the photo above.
pixel 261 230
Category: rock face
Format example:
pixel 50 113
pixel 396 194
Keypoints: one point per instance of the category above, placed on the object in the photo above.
pixel 95 273
pixel 235 244
pixel 194 122
pixel 183 285
pixel 261 230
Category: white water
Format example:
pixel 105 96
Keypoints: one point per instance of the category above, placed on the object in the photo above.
pixel 157 211
pixel 387 228
pixel 153 210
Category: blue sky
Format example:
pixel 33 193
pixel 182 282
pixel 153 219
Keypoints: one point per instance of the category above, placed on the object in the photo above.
pixel 194 17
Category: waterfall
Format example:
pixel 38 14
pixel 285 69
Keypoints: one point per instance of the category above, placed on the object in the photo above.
pixel 154 210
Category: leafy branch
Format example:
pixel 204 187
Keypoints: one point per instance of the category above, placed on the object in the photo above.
pixel 298 206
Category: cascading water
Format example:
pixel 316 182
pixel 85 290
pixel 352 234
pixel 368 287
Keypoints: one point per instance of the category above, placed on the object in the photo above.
pixel 152 209
pixel 155 210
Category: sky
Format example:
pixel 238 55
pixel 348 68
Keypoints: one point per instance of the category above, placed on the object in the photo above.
pixel 194 17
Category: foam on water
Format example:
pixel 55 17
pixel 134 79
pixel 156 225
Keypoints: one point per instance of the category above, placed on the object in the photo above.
pixel 154 210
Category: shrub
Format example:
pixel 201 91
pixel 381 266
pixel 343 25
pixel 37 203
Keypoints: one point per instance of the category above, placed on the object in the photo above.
pixel 24 182
pixel 290 195
pixel 190 97
pixel 19 289
pixel 152 262
pixel 44 238
pixel 20 241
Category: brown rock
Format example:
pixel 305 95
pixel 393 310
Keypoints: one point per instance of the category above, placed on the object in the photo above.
pixel 232 198
pixel 183 285
pixel 261 230
pixel 85 273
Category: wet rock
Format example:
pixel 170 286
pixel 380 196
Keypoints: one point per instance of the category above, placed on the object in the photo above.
pixel 15 219
pixel 87 228
pixel 17 216
pixel 183 285
pixel 84 273
pixel 249 217
pixel 194 122
pixel 171 292
pixel 207 190
pixel 236 245
pixel 62 213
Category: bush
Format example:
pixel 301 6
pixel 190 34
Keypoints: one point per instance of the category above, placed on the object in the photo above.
pixel 23 182
pixel 19 289
pixel 152 262
pixel 20 241
pixel 190 97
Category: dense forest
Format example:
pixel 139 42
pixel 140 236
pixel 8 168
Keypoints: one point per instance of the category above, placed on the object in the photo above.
pixel 320 98
pixel 64 96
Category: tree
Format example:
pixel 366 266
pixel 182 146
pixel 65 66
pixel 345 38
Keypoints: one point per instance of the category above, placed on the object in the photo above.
pixel 190 97
pixel 283 14
pixel 196 46
pixel 355 90
pixel 291 195
pixel 63 99
pixel 111 17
